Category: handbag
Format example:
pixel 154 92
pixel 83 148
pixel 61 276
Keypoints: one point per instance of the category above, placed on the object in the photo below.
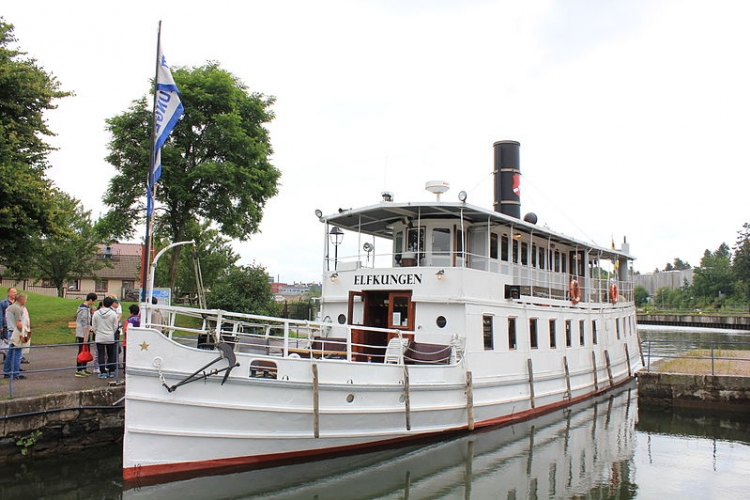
pixel 85 355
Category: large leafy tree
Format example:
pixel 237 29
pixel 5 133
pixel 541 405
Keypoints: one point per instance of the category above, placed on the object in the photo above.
pixel 70 252
pixel 741 261
pixel 714 276
pixel 215 166
pixel 26 92
pixel 243 289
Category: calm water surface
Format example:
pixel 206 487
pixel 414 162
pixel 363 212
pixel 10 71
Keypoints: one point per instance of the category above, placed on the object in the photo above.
pixel 605 448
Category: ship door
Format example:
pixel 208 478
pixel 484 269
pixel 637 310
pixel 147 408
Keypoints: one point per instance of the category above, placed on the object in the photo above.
pixel 380 309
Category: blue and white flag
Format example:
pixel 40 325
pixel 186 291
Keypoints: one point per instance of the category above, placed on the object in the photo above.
pixel 167 111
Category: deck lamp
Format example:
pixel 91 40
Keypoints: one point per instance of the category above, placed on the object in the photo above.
pixel 337 236
pixel 440 274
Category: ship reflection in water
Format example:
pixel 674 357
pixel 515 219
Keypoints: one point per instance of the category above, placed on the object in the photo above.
pixel 585 451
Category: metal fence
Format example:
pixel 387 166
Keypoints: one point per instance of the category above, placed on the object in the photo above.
pixel 52 369
pixel 728 358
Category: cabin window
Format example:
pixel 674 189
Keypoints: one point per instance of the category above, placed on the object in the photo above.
pixel 533 255
pixel 557 261
pixel 525 254
pixel 493 246
pixel 582 332
pixel 512 344
pixel 533 338
pixel 489 343
pixel 594 335
pixel 552 334
pixel 568 333
pixel 563 265
pixel 542 258
pixel 515 251
pixel 399 309
pixel 504 248
pixel 441 244
pixel 617 327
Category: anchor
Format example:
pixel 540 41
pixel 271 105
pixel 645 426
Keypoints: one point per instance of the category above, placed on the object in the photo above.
pixel 226 353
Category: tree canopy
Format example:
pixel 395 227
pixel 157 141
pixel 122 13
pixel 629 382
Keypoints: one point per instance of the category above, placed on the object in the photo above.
pixel 215 165
pixel 71 252
pixel 26 92
pixel 243 289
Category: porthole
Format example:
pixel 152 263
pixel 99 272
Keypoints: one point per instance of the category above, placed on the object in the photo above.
pixel 441 321
pixel 342 319
pixel 350 398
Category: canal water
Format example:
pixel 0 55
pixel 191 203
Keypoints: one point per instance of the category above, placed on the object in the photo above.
pixel 600 449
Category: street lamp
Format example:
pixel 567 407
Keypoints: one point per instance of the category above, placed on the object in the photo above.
pixel 337 236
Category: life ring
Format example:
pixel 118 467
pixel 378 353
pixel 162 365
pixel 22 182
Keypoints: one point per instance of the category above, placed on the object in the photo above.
pixel 575 291
pixel 613 293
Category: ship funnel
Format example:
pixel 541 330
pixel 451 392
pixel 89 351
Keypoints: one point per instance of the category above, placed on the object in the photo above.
pixel 507 178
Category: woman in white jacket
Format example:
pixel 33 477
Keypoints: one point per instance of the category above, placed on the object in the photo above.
pixel 105 325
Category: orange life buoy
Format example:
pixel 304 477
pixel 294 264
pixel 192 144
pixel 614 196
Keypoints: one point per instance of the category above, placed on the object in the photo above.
pixel 613 293
pixel 575 291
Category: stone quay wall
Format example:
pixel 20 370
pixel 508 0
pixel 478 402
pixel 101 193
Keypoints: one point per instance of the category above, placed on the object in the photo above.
pixel 58 423
pixel 720 392
pixel 696 320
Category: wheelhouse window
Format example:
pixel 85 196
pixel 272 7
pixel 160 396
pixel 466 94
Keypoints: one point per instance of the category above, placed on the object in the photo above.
pixel 533 337
pixel 398 246
pixel 493 245
pixel 487 332
pixel 441 246
pixel 512 343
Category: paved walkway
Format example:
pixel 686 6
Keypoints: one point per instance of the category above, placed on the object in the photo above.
pixel 51 369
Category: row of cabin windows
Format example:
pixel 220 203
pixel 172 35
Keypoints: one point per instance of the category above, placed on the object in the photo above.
pixel 500 248
pixel 489 338
pixel 539 257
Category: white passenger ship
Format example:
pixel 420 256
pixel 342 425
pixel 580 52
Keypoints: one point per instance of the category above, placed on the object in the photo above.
pixel 471 318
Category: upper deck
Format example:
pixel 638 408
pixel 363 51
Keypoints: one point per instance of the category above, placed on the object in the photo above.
pixel 535 260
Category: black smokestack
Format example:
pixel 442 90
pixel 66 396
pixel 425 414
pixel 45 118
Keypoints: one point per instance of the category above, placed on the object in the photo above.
pixel 507 178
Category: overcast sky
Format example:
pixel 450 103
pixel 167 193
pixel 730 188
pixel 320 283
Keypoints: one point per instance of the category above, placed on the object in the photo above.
pixel 633 116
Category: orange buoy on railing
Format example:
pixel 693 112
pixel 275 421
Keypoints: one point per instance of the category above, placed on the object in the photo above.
pixel 613 294
pixel 575 291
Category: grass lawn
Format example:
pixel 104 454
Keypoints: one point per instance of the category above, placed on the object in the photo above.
pixel 50 317
pixel 732 363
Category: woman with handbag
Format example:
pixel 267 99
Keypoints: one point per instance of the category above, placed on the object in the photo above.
pixel 83 329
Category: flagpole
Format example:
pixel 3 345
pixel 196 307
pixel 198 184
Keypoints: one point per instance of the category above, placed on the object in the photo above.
pixel 150 185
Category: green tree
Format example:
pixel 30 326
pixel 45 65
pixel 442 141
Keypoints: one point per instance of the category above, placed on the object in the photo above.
pixel 741 262
pixel 215 166
pixel 26 92
pixel 681 265
pixel 71 252
pixel 714 278
pixel 243 289
pixel 214 255
pixel 641 296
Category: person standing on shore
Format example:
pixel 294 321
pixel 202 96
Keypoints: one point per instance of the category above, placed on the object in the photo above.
pixel 4 305
pixel 21 336
pixel 83 330
pixel 105 326
pixel 133 320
